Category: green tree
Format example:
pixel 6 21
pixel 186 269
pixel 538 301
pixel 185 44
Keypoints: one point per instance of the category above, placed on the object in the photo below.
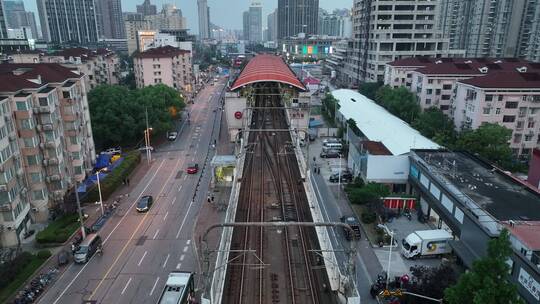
pixel 434 124
pixel 369 193
pixel 369 89
pixel 399 102
pixel 330 105
pixel 490 141
pixel 352 125
pixel 486 282
pixel 118 114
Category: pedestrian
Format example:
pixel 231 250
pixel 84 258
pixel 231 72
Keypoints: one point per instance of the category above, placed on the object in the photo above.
pixel 212 198
pixel 123 181
pixel 209 199
pixel 314 158
pixel 127 181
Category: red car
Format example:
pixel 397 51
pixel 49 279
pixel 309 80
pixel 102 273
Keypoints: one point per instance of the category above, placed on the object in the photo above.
pixel 193 168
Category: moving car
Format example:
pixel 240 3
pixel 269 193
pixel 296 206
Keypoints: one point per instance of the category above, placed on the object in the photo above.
pixel 329 154
pixel 172 135
pixel 346 177
pixel 193 168
pixel 88 247
pixel 355 225
pixel 145 203
pixel 113 151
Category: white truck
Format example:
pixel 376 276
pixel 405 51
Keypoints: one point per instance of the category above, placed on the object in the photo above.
pixel 424 243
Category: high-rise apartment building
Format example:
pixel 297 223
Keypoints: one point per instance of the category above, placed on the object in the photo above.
pixel 272 22
pixel 337 24
pixel 253 23
pixel 3 26
pixel 17 17
pixel 384 31
pixel 45 142
pixel 485 28
pixel 297 16
pixel 111 21
pixel 204 19
pixel 147 8
pixel 69 21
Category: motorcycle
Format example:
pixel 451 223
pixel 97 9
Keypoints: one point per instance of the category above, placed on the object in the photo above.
pixel 407 213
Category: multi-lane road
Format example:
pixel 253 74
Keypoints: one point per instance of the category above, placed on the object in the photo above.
pixel 140 249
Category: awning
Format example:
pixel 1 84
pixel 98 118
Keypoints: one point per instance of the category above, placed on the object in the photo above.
pixel 223 161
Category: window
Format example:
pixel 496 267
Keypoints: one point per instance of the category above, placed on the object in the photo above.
pixel 445 97
pixel 73 140
pixel 22 106
pixel 49 135
pixel 445 107
pixel 29 142
pixel 38 195
pixel 511 105
pixel 429 91
pixel 43 102
pixel 36 177
pixel 428 101
pixel 27 124
pixel 76 155
pixel 530 124
pixel 498 111
pixel 6 153
pixel 78 170
pixel 3 132
pixel 437 91
pixel 430 81
pixel 500 98
pixel 486 111
pixel 509 118
pixel 519 125
pixel 489 97
pixel 528 137
pixel 447 87
pixel 32 160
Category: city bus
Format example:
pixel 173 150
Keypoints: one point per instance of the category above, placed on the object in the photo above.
pixel 179 289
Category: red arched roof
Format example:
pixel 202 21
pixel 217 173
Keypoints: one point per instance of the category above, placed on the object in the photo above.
pixel 267 68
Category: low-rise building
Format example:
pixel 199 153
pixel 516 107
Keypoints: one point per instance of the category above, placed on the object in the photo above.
pixel 46 143
pixel 474 201
pixel 164 65
pixel 510 98
pixel 102 66
pixel 379 153
pixel 308 46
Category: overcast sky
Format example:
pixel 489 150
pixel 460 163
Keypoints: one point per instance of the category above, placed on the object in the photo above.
pixel 225 13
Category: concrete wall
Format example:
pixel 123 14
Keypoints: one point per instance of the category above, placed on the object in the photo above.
pixel 233 104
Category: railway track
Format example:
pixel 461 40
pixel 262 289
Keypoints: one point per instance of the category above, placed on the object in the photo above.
pixel 271 265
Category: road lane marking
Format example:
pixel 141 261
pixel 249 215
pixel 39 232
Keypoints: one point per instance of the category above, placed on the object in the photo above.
pixel 182 257
pixel 154 287
pixel 178 265
pixel 132 235
pixel 179 188
pixel 184 220
pixel 193 158
pixel 125 287
pixel 107 238
pixel 173 200
pixel 165 217
pixel 186 249
pixel 188 242
pixel 185 176
pixel 142 258
pixel 155 234
pixel 166 259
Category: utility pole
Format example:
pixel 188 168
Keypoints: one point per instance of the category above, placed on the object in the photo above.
pixel 147 138
pixel 81 219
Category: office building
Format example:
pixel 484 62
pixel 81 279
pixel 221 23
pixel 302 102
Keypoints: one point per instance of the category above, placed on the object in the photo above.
pixel 271 24
pixel 384 31
pixel 20 33
pixel 134 22
pixel 313 46
pixel 164 65
pixel 297 16
pixel 60 25
pixel 204 19
pixel 337 24
pixel 485 28
pixel 154 39
pixel 252 20
pixel 46 143
pixel 111 21
pixel 17 17
pixel 475 201
pixel 147 8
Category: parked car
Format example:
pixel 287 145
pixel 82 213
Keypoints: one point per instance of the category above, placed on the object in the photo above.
pixel 89 246
pixel 145 203
pixel 172 135
pixel 354 224
pixel 346 177
pixel 193 168
pixel 143 148
pixel 329 154
pixel 113 151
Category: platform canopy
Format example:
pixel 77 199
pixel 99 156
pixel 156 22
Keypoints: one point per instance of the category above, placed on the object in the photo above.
pixel 267 68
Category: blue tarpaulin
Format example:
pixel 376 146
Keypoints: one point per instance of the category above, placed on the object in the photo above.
pixel 103 160
pixel 91 180
pixel 315 123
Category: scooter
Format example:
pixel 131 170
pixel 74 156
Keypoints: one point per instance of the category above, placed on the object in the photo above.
pixel 407 213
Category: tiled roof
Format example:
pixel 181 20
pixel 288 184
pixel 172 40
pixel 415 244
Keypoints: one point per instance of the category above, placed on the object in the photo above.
pixel 17 76
pixel 161 52
pixel 375 148
pixel 267 68
pixel 506 80
pixel 81 52
pixel 526 231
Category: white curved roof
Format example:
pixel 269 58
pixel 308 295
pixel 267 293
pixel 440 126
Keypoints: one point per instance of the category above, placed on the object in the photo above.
pixel 377 124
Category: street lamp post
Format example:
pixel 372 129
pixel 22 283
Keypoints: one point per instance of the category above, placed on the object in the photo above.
pixel 147 138
pixel 391 233
pixel 99 191
pixel 81 218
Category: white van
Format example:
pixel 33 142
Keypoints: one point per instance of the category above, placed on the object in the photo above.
pixel 333 146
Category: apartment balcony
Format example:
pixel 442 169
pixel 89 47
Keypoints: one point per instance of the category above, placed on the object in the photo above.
pixel 50 161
